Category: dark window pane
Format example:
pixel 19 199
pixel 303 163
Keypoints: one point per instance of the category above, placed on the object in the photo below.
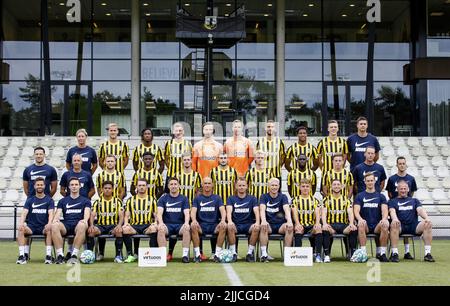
pixel 439 108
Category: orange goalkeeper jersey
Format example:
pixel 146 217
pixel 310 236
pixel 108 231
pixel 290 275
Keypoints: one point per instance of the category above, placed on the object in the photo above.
pixel 240 154
pixel 206 156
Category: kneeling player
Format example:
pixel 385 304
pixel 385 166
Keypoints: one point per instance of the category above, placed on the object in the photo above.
pixel 243 219
pixel 36 219
pixel 404 212
pixel 337 218
pixel 173 217
pixel 208 218
pixel 109 213
pixel 275 217
pixel 139 219
pixel 306 214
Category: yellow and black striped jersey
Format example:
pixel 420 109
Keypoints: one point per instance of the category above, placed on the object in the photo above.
pixel 120 149
pixel 275 153
pixel 189 183
pixel 141 149
pixel 141 210
pixel 294 178
pixel 224 181
pixel 258 181
pixel 305 208
pixel 116 177
pixel 296 149
pixel 328 148
pixel 173 152
pixel 344 176
pixel 153 177
pixel 337 209
pixel 107 210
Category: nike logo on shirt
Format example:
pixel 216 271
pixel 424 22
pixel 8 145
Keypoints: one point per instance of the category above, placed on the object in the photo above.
pixel 172 204
pixel 206 203
pixel 36 172
pixel 360 144
pixel 271 205
pixel 404 203
pixel 73 205
pixel 36 206
pixel 236 205
pixel 368 200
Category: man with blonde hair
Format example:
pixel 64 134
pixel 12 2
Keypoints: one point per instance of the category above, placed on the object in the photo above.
pixel 116 147
pixel 206 152
pixel 239 149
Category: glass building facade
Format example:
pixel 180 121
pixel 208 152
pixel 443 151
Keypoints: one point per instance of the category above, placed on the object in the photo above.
pixel 338 65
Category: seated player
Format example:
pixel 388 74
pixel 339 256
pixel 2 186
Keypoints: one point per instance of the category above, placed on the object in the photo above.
pixel 76 211
pixel 108 211
pixel 243 219
pixel 371 212
pixel 337 218
pixel 404 211
pixel 306 211
pixel 173 217
pixel 36 219
pixel 208 218
pixel 275 217
pixel 139 219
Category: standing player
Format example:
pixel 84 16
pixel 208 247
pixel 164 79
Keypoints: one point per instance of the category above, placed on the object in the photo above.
pixel 113 175
pixel 76 211
pixel 302 147
pixel 359 141
pixel 40 170
pixel 174 151
pixel 150 174
pixel 173 217
pixel 224 178
pixel 306 213
pixel 190 184
pixel 147 145
pixel 258 176
pixel 108 211
pixel 343 175
pixel 404 211
pixel 298 174
pixel 243 219
pixel 275 217
pixel 87 184
pixel 88 154
pixel 331 145
pixel 371 211
pixel 206 152
pixel 208 218
pixel 139 219
pixel 369 165
pixel 239 149
pixel 337 218
pixel 116 147
pixel 391 188
pixel 36 219
pixel 274 149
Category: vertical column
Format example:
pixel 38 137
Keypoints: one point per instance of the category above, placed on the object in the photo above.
pixel 135 69
pixel 46 103
pixel 280 59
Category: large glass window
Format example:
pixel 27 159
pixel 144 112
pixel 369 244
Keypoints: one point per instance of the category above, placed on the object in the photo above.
pixel 439 108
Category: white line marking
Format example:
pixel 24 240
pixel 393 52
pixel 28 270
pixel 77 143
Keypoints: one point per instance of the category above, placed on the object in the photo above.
pixel 232 276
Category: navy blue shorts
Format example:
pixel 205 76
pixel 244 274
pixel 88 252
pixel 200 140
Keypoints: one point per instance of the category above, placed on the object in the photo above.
pixel 409 229
pixel 174 228
pixel 140 229
pixel 372 228
pixel 208 228
pixel 275 227
pixel 105 229
pixel 339 227
pixel 243 228
pixel 36 229
pixel 70 228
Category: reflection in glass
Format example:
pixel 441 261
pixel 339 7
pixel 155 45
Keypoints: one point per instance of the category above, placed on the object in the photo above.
pixel 346 71
pixel 303 71
pixel 112 70
pixel 61 70
pixel 256 70
pixel 439 108
pixel 21 69
pixel 160 70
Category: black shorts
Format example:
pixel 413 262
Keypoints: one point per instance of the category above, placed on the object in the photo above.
pixel 140 229
pixel 208 228
pixel 308 229
pixel 409 229
pixel 275 227
pixel 339 227
pixel 70 227
pixel 243 228
pixel 105 229
pixel 36 229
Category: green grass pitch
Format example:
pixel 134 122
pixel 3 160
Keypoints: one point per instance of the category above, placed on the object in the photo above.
pixel 339 272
